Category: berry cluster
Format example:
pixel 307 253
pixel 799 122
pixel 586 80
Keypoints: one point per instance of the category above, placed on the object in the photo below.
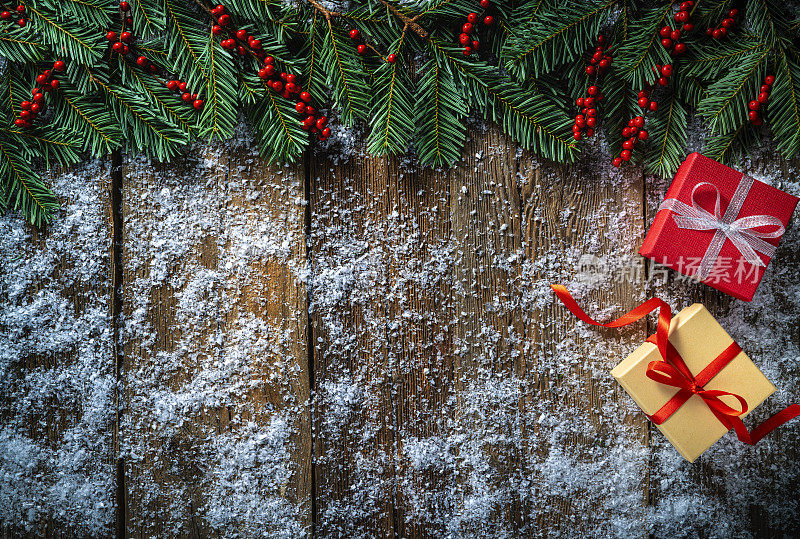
pixel 187 96
pixel 46 81
pixel 285 84
pixel 601 59
pixel 473 19
pixel 7 15
pixel 586 120
pixel 362 47
pixel 237 38
pixel 634 132
pixel 727 23
pixel 756 105
pixel 670 39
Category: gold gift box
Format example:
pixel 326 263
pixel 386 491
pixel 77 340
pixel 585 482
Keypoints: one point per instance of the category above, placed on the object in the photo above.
pixel 699 339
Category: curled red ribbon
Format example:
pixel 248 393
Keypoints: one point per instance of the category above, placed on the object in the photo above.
pixel 672 371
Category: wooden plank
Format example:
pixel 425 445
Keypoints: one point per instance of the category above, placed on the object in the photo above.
pixel 355 423
pixel 587 460
pixel 216 421
pixel 743 486
pixel 58 382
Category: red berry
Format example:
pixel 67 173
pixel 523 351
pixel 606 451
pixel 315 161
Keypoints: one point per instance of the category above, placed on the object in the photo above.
pixel 732 13
pixel 488 20
pixel 643 135
pixel 617 161
pixel 752 115
pixel 277 86
pixel 198 104
pixel 291 77
pixel 125 37
pixel 224 20
pixel 590 70
pixel 326 132
pixel 305 96
pixel 220 8
pixel 467 28
pixel 255 44
pixel 717 33
pixel 576 135
pixel 54 84
pixel 291 87
pixel 262 73
pixel 709 31
pixel 764 88
pixel 665 31
pixel 666 70
pixel 688 27
pixel 626 132
pixel 579 101
pixel 472 17
pixel 310 111
pixel 270 70
pixel 216 29
pixel 628 144
pixel 124 6
pixel 685 6
pixel 391 58
pixel 675 35
pixel 268 60
pixel 241 50
pixel 41 79
pixel 682 16
pixel 464 39
pixel 485 3
pixel 19 122
pixel 354 33
pixel 142 61
pixel 475 46
pixel 172 85
pixel 24 114
pixel 666 43
pixel 754 105
pixel 601 39
pixel 588 102
pixel 59 65
pixel 643 102
pixel 591 113
pixel 361 48
pixel 186 96
pixel 182 86
pixel 770 80
pixel 592 90
pixel 763 97
pixel 153 68
pixel 723 31
pixel 663 81
pixel 321 122
pixel 638 121
pixel 728 23
pixel 589 132
pixel 6 15
pixel 300 107
pixel 680 48
pixel 653 106
pixel 625 155
pixel 35 107
pixel 604 64
pixel 591 122
pixel 467 51
pixel 111 36
pixel 118 46
pixel 241 34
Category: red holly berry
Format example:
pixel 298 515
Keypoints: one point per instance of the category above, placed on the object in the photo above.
pixel 485 3
pixel 638 121
pixel 665 31
pixel 111 36
pixel 728 23
pixel 321 122
pixel 688 27
pixel 291 87
pixel 764 88
pixel 643 135
pixel 216 30
pixel 255 44
pixel 643 102
pixel 675 35
pixel 305 96
pixel 752 115
pixel 54 84
pixel 124 6
pixel 6 15
pixel 269 69
pixel 757 122
pixel 682 16
pixel 241 50
pixel 576 135
pixel 591 122
pixel 628 144
pixel 488 20
pixel 277 86
pixel 653 106
pixel 118 46
pixel 467 51
pixel 590 70
pixel 680 48
pixel 472 17
pixel 685 6
pixel 763 97
pixel 326 132
pixel 198 104
pixel 591 113
pixel 141 61
pixel 467 28
pixel 300 107
pixel 311 111
pixel 361 48
pixel 589 132
pixel 125 37
pixel 269 60
pixel 625 155
pixel 464 39
pixel 592 90
pixel 41 78
pixel 391 58
pixel 475 45
pixel 770 80
pixel 717 33
pixel 308 122
pixel 25 114
pixel 666 70
pixel 666 43
pixel 19 122
pixel 626 132
pixel 224 20
pixel 262 73
pixel 172 85
pixel 22 22
pixel 59 65
pixel 754 105
pixel 588 102
pixel 723 31
pixel 617 161
pixel 663 81
pixel 354 33
pixel 186 96
pixel 36 107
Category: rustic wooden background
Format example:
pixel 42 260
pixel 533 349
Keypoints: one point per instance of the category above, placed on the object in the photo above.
pixel 412 306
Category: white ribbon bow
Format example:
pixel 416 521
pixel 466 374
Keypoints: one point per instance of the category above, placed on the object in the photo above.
pixel 739 231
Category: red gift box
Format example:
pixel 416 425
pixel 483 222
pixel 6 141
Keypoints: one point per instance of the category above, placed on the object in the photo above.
pixel 719 226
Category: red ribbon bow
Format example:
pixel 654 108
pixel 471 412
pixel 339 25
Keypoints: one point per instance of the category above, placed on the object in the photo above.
pixel 672 371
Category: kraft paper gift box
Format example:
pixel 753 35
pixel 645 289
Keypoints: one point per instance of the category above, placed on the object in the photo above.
pixel 686 231
pixel 699 339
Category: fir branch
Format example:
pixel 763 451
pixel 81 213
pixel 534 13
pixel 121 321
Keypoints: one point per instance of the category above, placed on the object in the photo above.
pixel 392 113
pixel 783 109
pixel 17 45
pixel 440 110
pixel 188 44
pixel 96 12
pixel 557 35
pixel 79 43
pixel 21 189
pixel 218 117
pixel 279 135
pixel 667 142
pixel 345 76
pixel 637 57
pixel 148 17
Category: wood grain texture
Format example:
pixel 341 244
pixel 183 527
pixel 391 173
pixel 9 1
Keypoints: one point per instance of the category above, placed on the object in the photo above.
pixel 216 429
pixel 57 368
